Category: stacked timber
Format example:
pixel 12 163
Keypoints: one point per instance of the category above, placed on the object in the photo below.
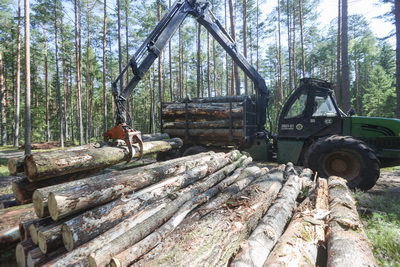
pixel 212 209
pixel 219 121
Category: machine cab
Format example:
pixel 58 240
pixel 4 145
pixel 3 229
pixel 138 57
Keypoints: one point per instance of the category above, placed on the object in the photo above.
pixel 311 111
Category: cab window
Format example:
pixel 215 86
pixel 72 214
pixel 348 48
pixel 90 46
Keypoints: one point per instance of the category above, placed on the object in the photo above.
pixel 323 107
pixel 298 107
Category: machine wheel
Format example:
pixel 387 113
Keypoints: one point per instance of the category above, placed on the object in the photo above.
pixel 194 150
pixel 346 157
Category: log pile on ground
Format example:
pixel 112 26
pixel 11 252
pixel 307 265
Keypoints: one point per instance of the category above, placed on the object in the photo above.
pixel 222 121
pixel 213 209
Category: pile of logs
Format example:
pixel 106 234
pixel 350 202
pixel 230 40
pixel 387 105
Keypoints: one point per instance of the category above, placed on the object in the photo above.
pixel 219 121
pixel 210 209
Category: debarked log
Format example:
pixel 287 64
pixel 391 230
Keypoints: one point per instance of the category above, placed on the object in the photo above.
pixel 298 246
pixel 92 223
pixel 83 194
pixel 45 165
pixel 212 239
pixel 348 244
pixel 256 249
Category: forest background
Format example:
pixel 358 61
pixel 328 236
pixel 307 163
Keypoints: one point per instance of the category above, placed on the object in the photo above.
pixel 76 48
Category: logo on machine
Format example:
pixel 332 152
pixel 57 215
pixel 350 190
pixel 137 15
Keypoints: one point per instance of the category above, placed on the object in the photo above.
pixel 299 127
pixel 328 121
pixel 287 127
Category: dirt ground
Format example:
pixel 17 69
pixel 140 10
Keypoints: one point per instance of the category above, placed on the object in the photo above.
pixel 388 183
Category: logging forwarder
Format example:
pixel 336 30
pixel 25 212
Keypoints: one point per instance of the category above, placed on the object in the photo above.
pixel 312 130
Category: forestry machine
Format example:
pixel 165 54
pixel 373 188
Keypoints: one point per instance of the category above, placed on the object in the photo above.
pixel 312 130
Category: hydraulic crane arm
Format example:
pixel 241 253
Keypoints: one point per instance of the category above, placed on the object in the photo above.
pixel 156 42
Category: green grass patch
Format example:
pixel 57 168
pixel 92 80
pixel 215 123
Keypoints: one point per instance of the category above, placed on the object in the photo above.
pixel 3 167
pixel 382 226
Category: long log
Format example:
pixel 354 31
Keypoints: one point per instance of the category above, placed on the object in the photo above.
pixel 37 258
pixel 45 165
pixel 23 189
pixel 256 249
pixel 129 255
pixel 9 237
pixel 207 111
pixel 203 124
pixel 206 132
pixel 103 255
pixel 214 238
pixel 154 137
pixel 28 228
pixel 94 222
pixel 348 244
pixel 16 165
pixel 217 99
pixel 298 246
pixel 21 251
pixel 83 194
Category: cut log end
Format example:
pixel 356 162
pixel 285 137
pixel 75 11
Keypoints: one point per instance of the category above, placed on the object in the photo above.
pixel 21 251
pixel 30 167
pixel 52 206
pixel 67 238
pixel 42 242
pixel 40 204
pixel 115 263
pixel 33 233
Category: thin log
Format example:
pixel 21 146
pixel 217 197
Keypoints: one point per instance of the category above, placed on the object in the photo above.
pixel 9 237
pixel 37 258
pixel 129 255
pixel 21 251
pixel 45 165
pixel 298 246
pixel 214 238
pixel 348 244
pixel 23 189
pixel 90 224
pixel 154 137
pixel 28 230
pixel 207 132
pixel 256 249
pixel 83 194
pixel 7 201
pixel 217 99
pixel 50 237
pixel 203 112
pixel 103 255
pixel 203 124
pixel 16 165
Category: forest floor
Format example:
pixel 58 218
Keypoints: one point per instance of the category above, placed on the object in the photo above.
pixel 379 208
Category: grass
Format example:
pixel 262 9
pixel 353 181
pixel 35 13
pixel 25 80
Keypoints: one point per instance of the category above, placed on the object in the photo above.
pixel 382 226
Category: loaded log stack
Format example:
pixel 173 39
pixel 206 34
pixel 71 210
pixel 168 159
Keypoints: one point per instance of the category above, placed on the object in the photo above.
pixel 205 209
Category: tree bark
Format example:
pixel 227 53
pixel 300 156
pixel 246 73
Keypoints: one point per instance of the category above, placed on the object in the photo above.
pixel 209 133
pixel 298 246
pixel 131 254
pixel 94 222
pixel 37 258
pixel 30 228
pixel 23 190
pixel 18 80
pixel 348 244
pixel 9 237
pixel 212 239
pixel 21 251
pixel 50 237
pixel 103 255
pixel 203 124
pixel 256 249
pixel 28 126
pixel 50 164
pixel 90 192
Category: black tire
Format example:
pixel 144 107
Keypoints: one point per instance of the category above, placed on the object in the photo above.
pixel 346 157
pixel 194 150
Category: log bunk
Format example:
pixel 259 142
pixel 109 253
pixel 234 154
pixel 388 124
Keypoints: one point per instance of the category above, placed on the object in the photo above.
pixel 213 209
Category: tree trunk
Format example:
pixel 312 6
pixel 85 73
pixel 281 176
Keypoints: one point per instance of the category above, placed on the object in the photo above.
pixel 15 165
pixel 50 237
pixel 21 251
pixel 298 246
pixel 345 58
pixel 246 89
pixel 50 164
pixel 199 80
pixel 27 81
pixel 280 64
pixel 397 23
pixel 80 229
pixel 131 254
pixel 78 60
pixel 235 71
pixel 9 237
pixel 204 124
pixel 348 244
pixel 207 132
pixel 257 248
pixel 18 80
pixel 213 239
pixel 94 191
pixel 303 60
pixel 3 100
pixel 104 42
pixel 28 229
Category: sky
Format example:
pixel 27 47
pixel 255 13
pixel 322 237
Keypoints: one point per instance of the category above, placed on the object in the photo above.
pixel 369 8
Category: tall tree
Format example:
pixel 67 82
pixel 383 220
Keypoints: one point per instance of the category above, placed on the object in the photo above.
pixel 18 79
pixel 78 60
pixel 104 42
pixel 3 100
pixel 235 71
pixel 338 89
pixel 345 58
pixel 28 126
pixel 397 23
pixel 246 89
pixel 59 96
